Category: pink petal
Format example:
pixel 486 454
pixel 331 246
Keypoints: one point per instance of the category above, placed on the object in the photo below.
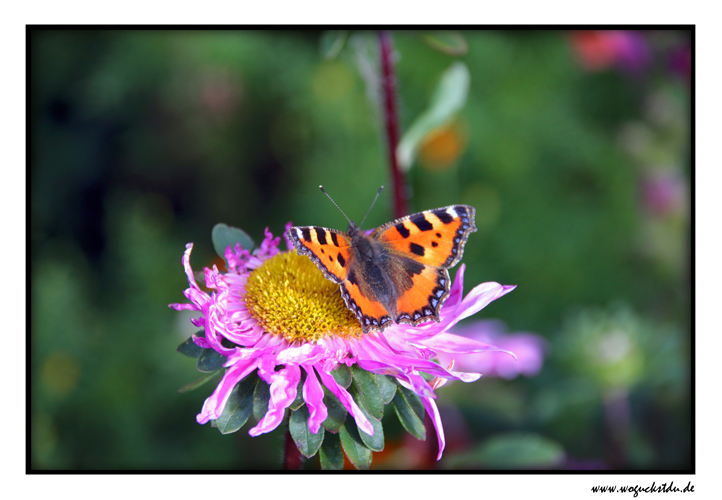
pixel 408 363
pixel 201 341
pixel 289 245
pixel 455 344
pixel 342 394
pixel 306 353
pixel 236 257
pixel 414 381
pixel 198 297
pixel 456 293
pixel 480 297
pixel 213 406
pixel 283 393
pixel 433 412
pixel 182 307
pixel 313 396
pixel 477 299
pixel 269 246
pixel 213 338
pixel 187 266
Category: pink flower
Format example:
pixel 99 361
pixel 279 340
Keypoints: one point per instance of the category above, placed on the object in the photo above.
pixel 229 315
pixel 663 192
pixel 680 61
pixel 599 49
pixel 529 349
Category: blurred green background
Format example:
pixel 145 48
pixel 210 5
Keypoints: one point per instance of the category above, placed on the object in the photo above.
pixel 574 147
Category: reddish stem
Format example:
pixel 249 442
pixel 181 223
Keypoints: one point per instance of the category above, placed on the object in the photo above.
pixel 432 444
pixel 291 455
pixel 392 123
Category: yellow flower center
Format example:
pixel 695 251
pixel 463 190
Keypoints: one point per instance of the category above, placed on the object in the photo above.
pixel 288 295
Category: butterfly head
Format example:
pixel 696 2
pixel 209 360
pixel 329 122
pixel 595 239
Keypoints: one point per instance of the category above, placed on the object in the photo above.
pixel 353 229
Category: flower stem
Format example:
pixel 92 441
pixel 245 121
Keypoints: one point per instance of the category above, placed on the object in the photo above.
pixel 291 455
pixel 432 444
pixel 392 123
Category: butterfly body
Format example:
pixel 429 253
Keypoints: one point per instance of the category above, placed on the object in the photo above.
pixel 399 272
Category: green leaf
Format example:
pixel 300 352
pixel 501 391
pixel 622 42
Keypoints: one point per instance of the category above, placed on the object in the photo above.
pixel 448 99
pixel 408 418
pixel 239 406
pixel 336 412
pixel 261 396
pixel 298 402
pixel 414 401
pixel 342 376
pixel 330 453
pixel 452 43
pixel 198 383
pixel 512 451
pixel 209 361
pixel 332 41
pixel 366 392
pixel 224 235
pixel 375 442
pixel 386 386
pixel 359 455
pixel 190 348
pixel 307 442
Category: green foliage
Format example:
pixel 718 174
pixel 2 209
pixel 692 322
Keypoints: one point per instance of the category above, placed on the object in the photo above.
pixel 342 376
pixel 239 406
pixel 447 42
pixel 406 405
pixel 332 42
pixel 448 99
pixel 251 396
pixel 331 454
pixel 224 236
pixel 366 392
pixel 199 383
pixel 375 442
pixel 307 442
pixel 261 396
pixel 336 412
pixel 387 387
pixel 512 451
pixel 190 348
pixel 298 402
pixel 354 447
pixel 209 361
pixel 142 140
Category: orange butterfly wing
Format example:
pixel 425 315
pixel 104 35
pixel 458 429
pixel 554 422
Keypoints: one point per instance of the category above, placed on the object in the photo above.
pixel 408 281
pixel 332 251
pixel 425 245
pixel 329 249
pixel 434 237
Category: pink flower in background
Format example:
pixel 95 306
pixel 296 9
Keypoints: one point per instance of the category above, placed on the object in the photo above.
pixel 229 315
pixel 632 51
pixel 681 61
pixel 598 50
pixel 529 349
pixel 663 192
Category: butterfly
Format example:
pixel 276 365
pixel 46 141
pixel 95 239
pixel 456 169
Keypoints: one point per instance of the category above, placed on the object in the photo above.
pixel 399 272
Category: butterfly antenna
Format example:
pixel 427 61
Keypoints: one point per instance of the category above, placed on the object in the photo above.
pixel 329 197
pixel 372 205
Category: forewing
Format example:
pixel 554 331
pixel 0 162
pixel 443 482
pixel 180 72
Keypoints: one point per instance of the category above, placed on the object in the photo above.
pixel 329 249
pixel 434 237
